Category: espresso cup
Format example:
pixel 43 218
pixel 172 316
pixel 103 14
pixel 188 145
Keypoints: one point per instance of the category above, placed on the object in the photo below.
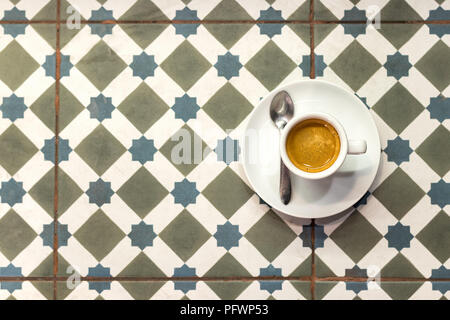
pixel 346 146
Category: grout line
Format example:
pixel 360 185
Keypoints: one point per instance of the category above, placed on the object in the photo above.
pixel 268 278
pixel 57 105
pixel 227 22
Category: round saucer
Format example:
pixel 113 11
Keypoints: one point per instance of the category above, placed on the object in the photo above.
pixel 312 198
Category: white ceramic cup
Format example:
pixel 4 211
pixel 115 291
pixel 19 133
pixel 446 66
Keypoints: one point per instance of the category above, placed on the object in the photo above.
pixel 347 146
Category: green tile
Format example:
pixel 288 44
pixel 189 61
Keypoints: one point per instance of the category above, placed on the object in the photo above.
pixel 142 290
pixel 43 192
pixel 48 12
pixel 270 65
pixel 435 67
pixel 185 65
pixel 16 149
pixel 435 150
pixel 228 10
pixel 356 244
pixel 228 107
pixel 322 288
pixel 141 267
pixel 228 34
pixel 99 235
pixel 398 34
pixel 143 107
pixel 228 290
pixel 68 191
pixel 355 65
pixel 400 290
pixel 144 10
pixel 16 234
pixel 101 65
pixel 400 267
pixel 399 10
pixel 24 65
pixel 135 192
pixel 194 143
pixel 45 268
pixel 100 149
pixel 44 107
pixel 270 235
pixel 144 34
pixel 69 108
pixel 398 108
pixel 435 235
pixel 227 266
pixel 227 192
pixel 184 235
pixel 398 193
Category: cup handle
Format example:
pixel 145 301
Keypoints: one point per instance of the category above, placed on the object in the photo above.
pixel 357 146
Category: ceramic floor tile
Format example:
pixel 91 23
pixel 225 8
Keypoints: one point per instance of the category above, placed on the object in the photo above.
pixel 27 64
pixel 397 227
pixel 182 290
pixel 26 290
pixel 229 10
pixel 131 207
pixel 387 10
pixel 385 290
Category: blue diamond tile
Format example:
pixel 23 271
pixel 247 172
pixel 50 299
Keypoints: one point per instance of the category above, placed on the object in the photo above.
pixel 13 108
pixel 142 150
pixel 14 15
pixel 12 192
pixel 227 235
pixel 143 66
pixel 398 150
pixel 270 29
pixel 186 29
pixel 399 236
pixel 439 29
pixel 48 232
pixel 227 150
pixel 228 66
pixel 184 271
pixel 11 271
pixel 354 15
pixel 185 192
pixel 319 236
pixel 397 65
pixel 142 235
pixel 99 192
pixel 101 29
pixel 101 272
pixel 185 108
pixel 270 285
pixel 319 65
pixel 64 150
pixel 101 108
pixel 439 108
pixel 50 66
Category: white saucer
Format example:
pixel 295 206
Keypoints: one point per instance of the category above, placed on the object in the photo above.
pixel 312 198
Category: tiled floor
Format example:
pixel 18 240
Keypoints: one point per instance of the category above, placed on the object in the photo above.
pixel 88 182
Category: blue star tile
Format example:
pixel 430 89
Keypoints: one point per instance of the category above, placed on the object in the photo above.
pixel 14 15
pixel 439 108
pixel 100 192
pixel 363 200
pixel 354 15
pixel 185 108
pixel 319 65
pixel 227 235
pixel 270 285
pixel 398 236
pixel 319 236
pixel 143 66
pixel 101 108
pixel 270 29
pixel 356 272
pixel 142 150
pixel 63 150
pixel 441 273
pixel 185 192
pixel 398 150
pixel 50 66
pixel 12 192
pixel 101 29
pixel 184 271
pixel 397 65
pixel 99 271
pixel 186 29
pixel 228 66
pixel 142 235
pixel 439 29
pixel 440 193
pixel 227 150
pixel 47 235
pixel 13 108
pixel 363 100
pixel 11 271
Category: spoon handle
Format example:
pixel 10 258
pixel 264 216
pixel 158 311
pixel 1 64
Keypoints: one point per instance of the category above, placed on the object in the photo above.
pixel 285 183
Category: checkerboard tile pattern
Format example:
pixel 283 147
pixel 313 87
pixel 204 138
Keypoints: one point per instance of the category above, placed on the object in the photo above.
pixel 133 85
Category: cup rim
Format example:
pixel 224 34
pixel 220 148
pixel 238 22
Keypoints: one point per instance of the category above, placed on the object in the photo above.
pixel 342 152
